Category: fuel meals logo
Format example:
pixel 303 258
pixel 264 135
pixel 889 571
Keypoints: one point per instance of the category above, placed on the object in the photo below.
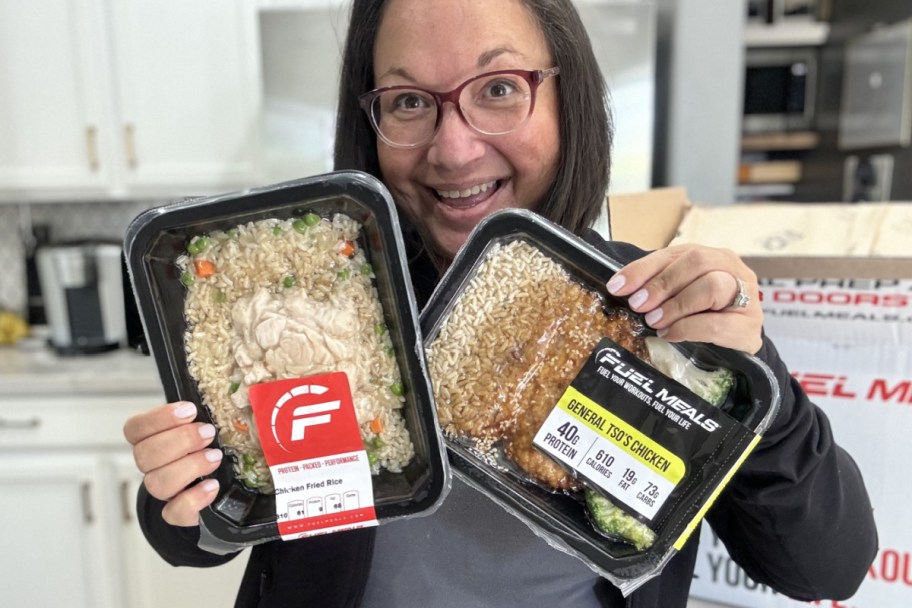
pixel 305 417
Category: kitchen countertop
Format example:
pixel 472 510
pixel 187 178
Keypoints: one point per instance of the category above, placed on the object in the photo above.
pixel 31 367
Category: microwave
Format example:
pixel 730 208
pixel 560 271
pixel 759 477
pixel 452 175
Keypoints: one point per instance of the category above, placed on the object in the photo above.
pixel 779 89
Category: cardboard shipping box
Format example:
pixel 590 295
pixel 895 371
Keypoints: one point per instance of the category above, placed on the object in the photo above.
pixel 836 289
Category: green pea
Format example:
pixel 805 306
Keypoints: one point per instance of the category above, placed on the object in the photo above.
pixel 277 230
pixel 187 279
pixel 299 225
pixel 312 219
pixel 220 297
pixel 289 281
pixel 372 458
pixel 233 387
pixel 198 245
pixel 344 274
pixel 366 268
pixel 397 389
pixel 379 329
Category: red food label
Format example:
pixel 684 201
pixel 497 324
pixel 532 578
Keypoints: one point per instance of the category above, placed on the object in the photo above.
pixel 309 433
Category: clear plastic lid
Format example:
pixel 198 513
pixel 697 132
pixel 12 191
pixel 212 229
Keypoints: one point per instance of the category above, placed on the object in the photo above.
pixel 522 322
pixel 172 250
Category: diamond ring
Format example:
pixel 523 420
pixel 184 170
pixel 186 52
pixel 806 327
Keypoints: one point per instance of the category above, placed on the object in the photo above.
pixel 741 299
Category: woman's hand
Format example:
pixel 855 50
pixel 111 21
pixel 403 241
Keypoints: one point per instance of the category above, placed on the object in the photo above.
pixel 694 293
pixel 170 449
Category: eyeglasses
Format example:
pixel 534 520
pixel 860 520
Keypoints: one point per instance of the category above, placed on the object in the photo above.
pixel 494 103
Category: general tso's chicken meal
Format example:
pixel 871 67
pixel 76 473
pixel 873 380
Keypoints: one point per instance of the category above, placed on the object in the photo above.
pixel 518 335
pixel 289 298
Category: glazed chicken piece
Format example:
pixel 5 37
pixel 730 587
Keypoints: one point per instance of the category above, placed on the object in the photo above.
pixel 563 354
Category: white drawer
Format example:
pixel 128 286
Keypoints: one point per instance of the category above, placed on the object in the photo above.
pixel 95 421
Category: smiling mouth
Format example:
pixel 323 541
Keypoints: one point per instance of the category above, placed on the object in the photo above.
pixel 468 197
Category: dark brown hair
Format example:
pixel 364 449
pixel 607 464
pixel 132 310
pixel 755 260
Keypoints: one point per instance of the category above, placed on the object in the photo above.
pixel 575 198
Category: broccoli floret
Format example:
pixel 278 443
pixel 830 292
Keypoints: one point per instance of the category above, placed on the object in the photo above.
pixel 615 523
pixel 711 386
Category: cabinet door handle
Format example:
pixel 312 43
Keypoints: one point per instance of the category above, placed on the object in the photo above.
pixel 126 507
pixel 130 144
pixel 92 146
pixel 88 515
pixel 29 423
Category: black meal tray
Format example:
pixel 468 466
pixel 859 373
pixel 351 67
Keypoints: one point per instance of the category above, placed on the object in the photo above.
pixel 154 240
pixel 561 517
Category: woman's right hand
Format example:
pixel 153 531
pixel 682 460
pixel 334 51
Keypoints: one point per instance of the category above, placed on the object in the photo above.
pixel 171 451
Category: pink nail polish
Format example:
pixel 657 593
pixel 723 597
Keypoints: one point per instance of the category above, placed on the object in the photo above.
pixel 653 316
pixel 213 455
pixel 184 409
pixel 615 283
pixel 638 299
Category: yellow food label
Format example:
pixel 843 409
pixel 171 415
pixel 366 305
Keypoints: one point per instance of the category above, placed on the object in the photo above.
pixel 624 436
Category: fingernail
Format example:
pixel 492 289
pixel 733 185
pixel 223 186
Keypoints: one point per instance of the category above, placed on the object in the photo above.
pixel 653 316
pixel 209 485
pixel 207 431
pixel 638 299
pixel 184 409
pixel 615 283
pixel 213 455
pixel 662 332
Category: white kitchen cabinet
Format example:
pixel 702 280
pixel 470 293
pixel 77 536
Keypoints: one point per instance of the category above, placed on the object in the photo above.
pixel 126 98
pixel 53 530
pixel 55 102
pixel 67 494
pixel 187 87
pixel 149 581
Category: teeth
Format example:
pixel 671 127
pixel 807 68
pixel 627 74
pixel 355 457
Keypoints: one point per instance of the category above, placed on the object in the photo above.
pixel 467 192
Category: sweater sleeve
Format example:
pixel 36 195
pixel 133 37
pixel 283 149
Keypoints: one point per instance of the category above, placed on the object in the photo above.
pixel 796 516
pixel 175 544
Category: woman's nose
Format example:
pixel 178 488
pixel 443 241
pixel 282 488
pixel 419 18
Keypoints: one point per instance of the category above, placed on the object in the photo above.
pixel 455 143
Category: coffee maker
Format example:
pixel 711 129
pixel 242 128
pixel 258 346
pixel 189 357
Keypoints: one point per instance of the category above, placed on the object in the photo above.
pixel 83 291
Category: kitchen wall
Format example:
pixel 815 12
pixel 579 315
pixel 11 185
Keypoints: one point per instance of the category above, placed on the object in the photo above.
pixel 698 98
pixel 67 221
pixel 824 167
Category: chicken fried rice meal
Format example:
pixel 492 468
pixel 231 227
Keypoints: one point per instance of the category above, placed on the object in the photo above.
pixel 289 298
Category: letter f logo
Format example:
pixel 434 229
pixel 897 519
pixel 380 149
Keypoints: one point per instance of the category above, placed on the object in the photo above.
pixel 305 415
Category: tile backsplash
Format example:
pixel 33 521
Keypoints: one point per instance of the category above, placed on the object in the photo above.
pixel 65 221
pixel 12 260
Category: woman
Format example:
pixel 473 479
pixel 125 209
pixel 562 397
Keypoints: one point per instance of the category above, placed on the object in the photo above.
pixel 796 516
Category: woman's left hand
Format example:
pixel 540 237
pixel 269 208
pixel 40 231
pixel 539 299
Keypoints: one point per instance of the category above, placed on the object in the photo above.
pixel 696 294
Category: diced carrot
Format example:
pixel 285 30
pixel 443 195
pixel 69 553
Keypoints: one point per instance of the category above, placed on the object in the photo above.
pixel 347 248
pixel 203 268
pixel 241 426
pixel 376 426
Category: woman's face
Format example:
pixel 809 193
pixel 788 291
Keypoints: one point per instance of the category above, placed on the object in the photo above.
pixel 437 45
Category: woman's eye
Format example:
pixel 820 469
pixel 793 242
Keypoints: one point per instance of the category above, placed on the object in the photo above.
pixel 500 88
pixel 409 101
